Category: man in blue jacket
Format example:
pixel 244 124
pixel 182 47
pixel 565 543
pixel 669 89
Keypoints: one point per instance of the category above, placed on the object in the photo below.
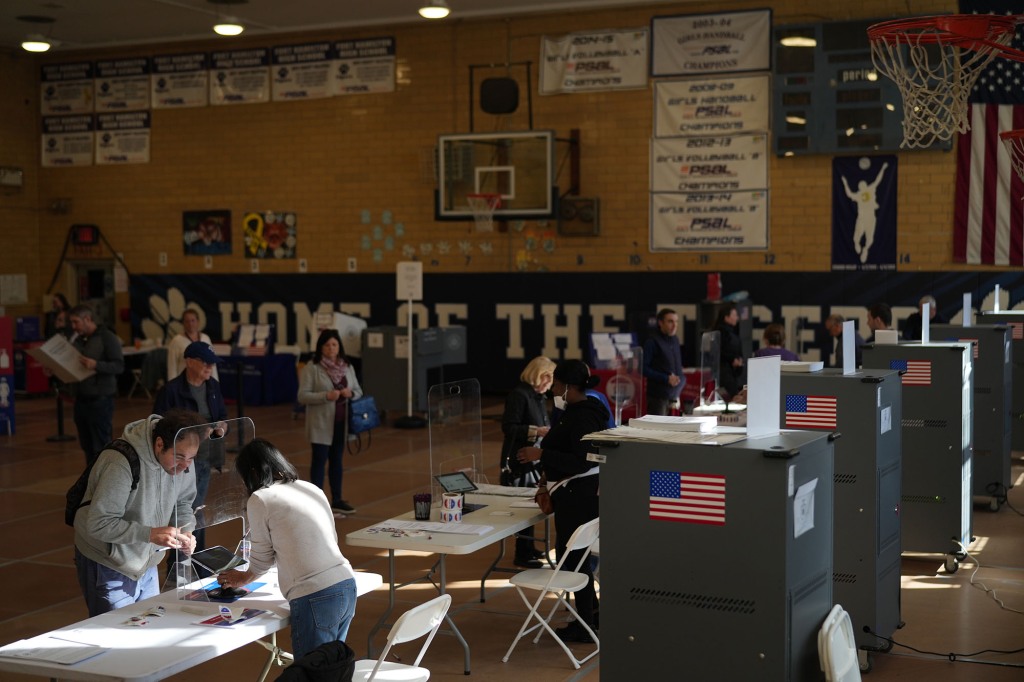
pixel 663 364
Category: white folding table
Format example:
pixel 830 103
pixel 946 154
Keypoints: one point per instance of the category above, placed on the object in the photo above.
pixel 171 643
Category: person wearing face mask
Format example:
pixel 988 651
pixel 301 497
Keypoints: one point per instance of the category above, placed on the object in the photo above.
pixel 563 457
pixel 525 422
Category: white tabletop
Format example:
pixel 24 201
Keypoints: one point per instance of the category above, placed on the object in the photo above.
pixel 504 520
pixel 171 643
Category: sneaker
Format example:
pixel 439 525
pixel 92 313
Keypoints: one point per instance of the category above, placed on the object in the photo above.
pixel 343 507
pixel 574 632
pixel 523 562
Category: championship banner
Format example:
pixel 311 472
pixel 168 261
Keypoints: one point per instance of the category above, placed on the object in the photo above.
pixel 180 80
pixel 240 77
pixel 67 141
pixel 709 164
pixel 691 44
pixel 301 71
pixel 364 66
pixel 66 89
pixel 712 106
pixel 864 212
pixel 709 221
pixel 122 138
pixel 591 62
pixel 122 84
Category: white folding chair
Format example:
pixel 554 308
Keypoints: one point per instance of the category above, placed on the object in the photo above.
pixel 837 647
pixel 560 583
pixel 424 619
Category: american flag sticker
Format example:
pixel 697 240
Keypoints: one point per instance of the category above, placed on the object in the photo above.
pixel 1018 330
pixel 688 498
pixel 974 345
pixel 916 372
pixel 810 411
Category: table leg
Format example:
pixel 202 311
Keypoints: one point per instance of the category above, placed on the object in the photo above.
pixel 492 568
pixel 277 655
pixel 451 623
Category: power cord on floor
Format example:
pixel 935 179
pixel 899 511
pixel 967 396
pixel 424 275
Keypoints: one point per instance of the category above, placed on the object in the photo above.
pixel 999 492
pixel 952 656
pixel 983 586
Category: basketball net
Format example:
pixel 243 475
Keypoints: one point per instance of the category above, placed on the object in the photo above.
pixel 483 207
pixel 1014 142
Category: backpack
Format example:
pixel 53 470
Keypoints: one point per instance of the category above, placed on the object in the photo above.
pixel 77 491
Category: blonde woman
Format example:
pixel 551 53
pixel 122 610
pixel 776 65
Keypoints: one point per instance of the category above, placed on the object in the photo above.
pixel 525 422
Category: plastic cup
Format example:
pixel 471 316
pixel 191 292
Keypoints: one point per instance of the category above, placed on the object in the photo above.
pixel 421 506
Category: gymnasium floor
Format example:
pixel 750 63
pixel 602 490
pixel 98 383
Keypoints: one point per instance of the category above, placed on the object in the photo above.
pixel 943 613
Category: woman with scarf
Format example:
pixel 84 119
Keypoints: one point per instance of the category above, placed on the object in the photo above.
pixel 325 387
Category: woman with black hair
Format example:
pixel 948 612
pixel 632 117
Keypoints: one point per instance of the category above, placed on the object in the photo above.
pixel 291 525
pixel 563 456
pixel 325 387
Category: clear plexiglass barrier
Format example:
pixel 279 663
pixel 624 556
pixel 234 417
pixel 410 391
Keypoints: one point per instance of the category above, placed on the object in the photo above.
pixel 710 365
pixel 625 388
pixel 220 498
pixel 455 432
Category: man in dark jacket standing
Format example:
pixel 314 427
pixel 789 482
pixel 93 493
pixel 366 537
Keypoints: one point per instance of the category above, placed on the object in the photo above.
pixel 663 364
pixel 94 397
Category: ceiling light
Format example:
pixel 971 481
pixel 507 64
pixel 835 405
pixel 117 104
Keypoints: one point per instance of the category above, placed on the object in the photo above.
pixel 36 43
pixel 434 9
pixel 799 41
pixel 796 120
pixel 228 27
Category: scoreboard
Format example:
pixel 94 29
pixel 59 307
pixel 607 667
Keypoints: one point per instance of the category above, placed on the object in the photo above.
pixel 828 98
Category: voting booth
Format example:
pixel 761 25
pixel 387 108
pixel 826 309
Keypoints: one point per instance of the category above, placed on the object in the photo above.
pixel 385 353
pixel 938 436
pixel 1014 319
pixel 865 408
pixel 992 351
pixel 734 592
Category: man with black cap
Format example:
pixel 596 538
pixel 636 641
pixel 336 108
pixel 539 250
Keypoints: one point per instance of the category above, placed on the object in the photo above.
pixel 196 390
pixel 571 478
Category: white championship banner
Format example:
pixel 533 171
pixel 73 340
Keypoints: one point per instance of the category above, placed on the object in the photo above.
pixel 122 84
pixel 711 43
pixel 66 89
pixel 67 141
pixel 712 106
pixel 240 77
pixel 122 138
pixel 301 71
pixel 589 62
pixel 364 66
pixel 709 221
pixel 709 164
pixel 178 81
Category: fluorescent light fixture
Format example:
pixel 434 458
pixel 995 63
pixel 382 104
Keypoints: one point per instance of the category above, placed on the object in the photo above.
pixel 798 41
pixel 228 27
pixel 36 43
pixel 434 9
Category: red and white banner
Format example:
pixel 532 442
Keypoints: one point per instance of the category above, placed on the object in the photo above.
pixel 712 106
pixel 709 164
pixel 589 62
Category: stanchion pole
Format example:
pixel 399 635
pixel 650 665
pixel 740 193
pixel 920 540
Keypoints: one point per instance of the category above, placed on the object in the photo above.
pixel 60 436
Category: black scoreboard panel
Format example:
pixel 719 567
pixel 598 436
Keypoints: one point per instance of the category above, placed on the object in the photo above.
pixel 829 99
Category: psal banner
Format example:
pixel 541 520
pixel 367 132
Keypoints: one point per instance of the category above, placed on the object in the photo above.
pixel 709 164
pixel 712 106
pixel 711 43
pixel 588 62
pixel 709 221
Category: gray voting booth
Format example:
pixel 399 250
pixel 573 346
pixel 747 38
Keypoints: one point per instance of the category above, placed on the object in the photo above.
pixel 993 382
pixel 866 409
pixel 1014 319
pixel 385 362
pixel 938 429
pixel 737 593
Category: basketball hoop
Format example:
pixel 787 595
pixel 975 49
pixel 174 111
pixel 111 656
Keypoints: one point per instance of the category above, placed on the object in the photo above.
pixel 935 61
pixel 1014 141
pixel 483 207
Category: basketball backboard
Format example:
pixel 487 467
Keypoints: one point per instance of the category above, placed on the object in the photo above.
pixel 518 166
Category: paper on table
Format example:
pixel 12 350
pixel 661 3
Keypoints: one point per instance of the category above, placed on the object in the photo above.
pixel 52 650
pixel 61 358
pixel 525 504
pixel 630 433
pixel 670 423
pixel 436 527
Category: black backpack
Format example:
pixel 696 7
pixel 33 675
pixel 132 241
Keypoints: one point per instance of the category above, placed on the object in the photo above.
pixel 77 491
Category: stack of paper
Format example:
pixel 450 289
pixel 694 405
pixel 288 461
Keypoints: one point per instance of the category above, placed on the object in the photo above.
pixel 800 366
pixel 687 423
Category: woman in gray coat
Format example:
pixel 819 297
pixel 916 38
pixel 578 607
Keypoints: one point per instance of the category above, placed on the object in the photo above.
pixel 325 387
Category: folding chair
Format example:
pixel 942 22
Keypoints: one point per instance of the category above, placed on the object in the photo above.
pixel 413 624
pixel 837 647
pixel 559 583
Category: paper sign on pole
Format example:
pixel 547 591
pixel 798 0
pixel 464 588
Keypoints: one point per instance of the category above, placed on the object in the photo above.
pixel 409 281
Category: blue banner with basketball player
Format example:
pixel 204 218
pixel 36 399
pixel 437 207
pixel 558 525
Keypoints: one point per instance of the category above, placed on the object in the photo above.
pixel 864 213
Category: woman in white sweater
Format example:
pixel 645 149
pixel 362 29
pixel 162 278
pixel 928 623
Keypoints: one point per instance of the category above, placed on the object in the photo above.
pixel 291 525
pixel 325 387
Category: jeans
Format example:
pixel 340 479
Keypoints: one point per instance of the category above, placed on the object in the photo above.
pixel 322 617
pixel 94 420
pixel 331 455
pixel 105 589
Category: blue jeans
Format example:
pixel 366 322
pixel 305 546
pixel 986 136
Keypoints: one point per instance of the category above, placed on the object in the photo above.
pixel 322 617
pixel 105 589
pixel 332 456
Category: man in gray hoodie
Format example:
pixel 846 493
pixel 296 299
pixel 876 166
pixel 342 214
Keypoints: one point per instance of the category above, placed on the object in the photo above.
pixel 120 533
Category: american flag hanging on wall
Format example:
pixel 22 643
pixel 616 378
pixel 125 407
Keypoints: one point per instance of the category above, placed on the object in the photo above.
pixel 988 220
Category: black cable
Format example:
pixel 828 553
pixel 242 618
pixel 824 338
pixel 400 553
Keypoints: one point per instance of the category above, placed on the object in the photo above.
pixel 1000 493
pixel 951 656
